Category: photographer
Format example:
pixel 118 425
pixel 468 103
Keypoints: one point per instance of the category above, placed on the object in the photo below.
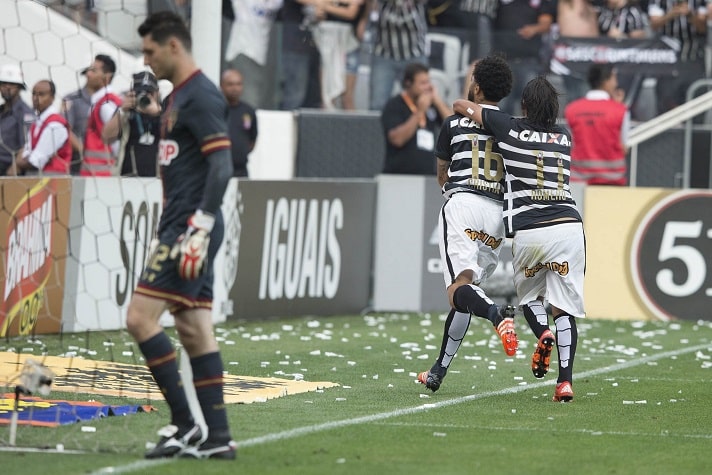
pixel 137 124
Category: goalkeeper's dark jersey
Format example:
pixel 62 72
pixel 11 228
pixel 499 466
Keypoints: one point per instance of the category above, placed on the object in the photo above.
pixel 476 165
pixel 537 167
pixel 193 125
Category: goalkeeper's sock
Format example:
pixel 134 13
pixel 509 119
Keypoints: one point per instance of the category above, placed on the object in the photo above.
pixel 161 361
pixel 208 381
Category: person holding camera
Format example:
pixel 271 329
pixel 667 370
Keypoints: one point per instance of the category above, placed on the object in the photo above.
pixel 137 126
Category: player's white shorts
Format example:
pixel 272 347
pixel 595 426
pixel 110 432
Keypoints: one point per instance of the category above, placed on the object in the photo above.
pixel 471 234
pixel 550 262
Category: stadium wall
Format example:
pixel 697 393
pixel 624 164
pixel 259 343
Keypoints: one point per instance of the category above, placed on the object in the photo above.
pixel 72 250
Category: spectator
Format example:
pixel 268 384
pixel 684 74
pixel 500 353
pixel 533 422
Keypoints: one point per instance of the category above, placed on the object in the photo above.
pixel 520 28
pixel 241 121
pixel 400 40
pixel 335 39
pixel 99 158
pixel 353 58
pixel 47 147
pixel 623 19
pixel 474 18
pixel 228 19
pixel 683 22
pixel 76 107
pixel 299 54
pixel 15 115
pixel 576 19
pixel 136 128
pixel 599 124
pixel 248 44
pixel 410 123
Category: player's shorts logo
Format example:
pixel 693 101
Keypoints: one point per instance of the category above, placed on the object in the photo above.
pixel 167 151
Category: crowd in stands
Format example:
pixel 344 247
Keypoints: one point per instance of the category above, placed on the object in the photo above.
pixel 389 34
pixel 293 54
pixel 314 60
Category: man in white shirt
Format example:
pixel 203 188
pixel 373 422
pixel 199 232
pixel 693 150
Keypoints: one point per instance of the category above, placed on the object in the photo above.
pixel 48 150
pixel 247 48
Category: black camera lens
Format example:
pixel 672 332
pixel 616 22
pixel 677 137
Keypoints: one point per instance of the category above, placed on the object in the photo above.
pixel 143 100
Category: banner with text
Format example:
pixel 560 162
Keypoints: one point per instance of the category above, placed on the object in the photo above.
pixel 650 57
pixel 305 248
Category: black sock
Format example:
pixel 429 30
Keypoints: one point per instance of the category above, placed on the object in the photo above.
pixel 566 339
pixel 161 361
pixel 536 316
pixel 208 381
pixel 456 327
pixel 473 300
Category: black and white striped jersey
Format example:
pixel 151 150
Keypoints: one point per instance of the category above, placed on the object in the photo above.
pixel 626 20
pixel 401 29
pixel 476 166
pixel 537 175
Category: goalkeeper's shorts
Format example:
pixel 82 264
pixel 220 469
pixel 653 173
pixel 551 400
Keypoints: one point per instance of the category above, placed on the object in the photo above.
pixel 160 278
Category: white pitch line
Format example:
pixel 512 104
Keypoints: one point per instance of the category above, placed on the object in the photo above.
pixel 306 430
pixel 549 430
pixel 288 434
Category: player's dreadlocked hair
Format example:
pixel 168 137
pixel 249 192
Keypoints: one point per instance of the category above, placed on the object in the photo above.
pixel 540 101
pixel 494 76
pixel 164 24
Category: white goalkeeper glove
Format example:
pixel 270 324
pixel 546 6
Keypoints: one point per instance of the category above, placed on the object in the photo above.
pixel 191 247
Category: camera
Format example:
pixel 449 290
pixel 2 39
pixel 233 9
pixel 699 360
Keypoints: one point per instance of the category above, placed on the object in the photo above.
pixel 143 99
pixel 144 84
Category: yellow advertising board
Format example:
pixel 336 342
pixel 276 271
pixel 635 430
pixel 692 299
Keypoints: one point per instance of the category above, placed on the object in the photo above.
pixel 648 253
pixel 33 227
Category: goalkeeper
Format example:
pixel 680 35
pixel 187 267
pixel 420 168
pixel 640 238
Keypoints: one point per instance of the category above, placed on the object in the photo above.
pixel 195 162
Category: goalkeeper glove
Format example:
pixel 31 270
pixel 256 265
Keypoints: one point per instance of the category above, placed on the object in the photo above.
pixel 191 247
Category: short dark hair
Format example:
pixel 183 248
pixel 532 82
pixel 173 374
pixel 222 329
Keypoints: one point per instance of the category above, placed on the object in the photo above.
pixel 540 100
pixel 599 73
pixel 50 84
pixel 164 24
pixel 410 71
pixel 52 87
pixel 494 76
pixel 109 66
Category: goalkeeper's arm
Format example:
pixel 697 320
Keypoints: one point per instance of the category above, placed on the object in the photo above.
pixel 219 174
pixel 191 248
